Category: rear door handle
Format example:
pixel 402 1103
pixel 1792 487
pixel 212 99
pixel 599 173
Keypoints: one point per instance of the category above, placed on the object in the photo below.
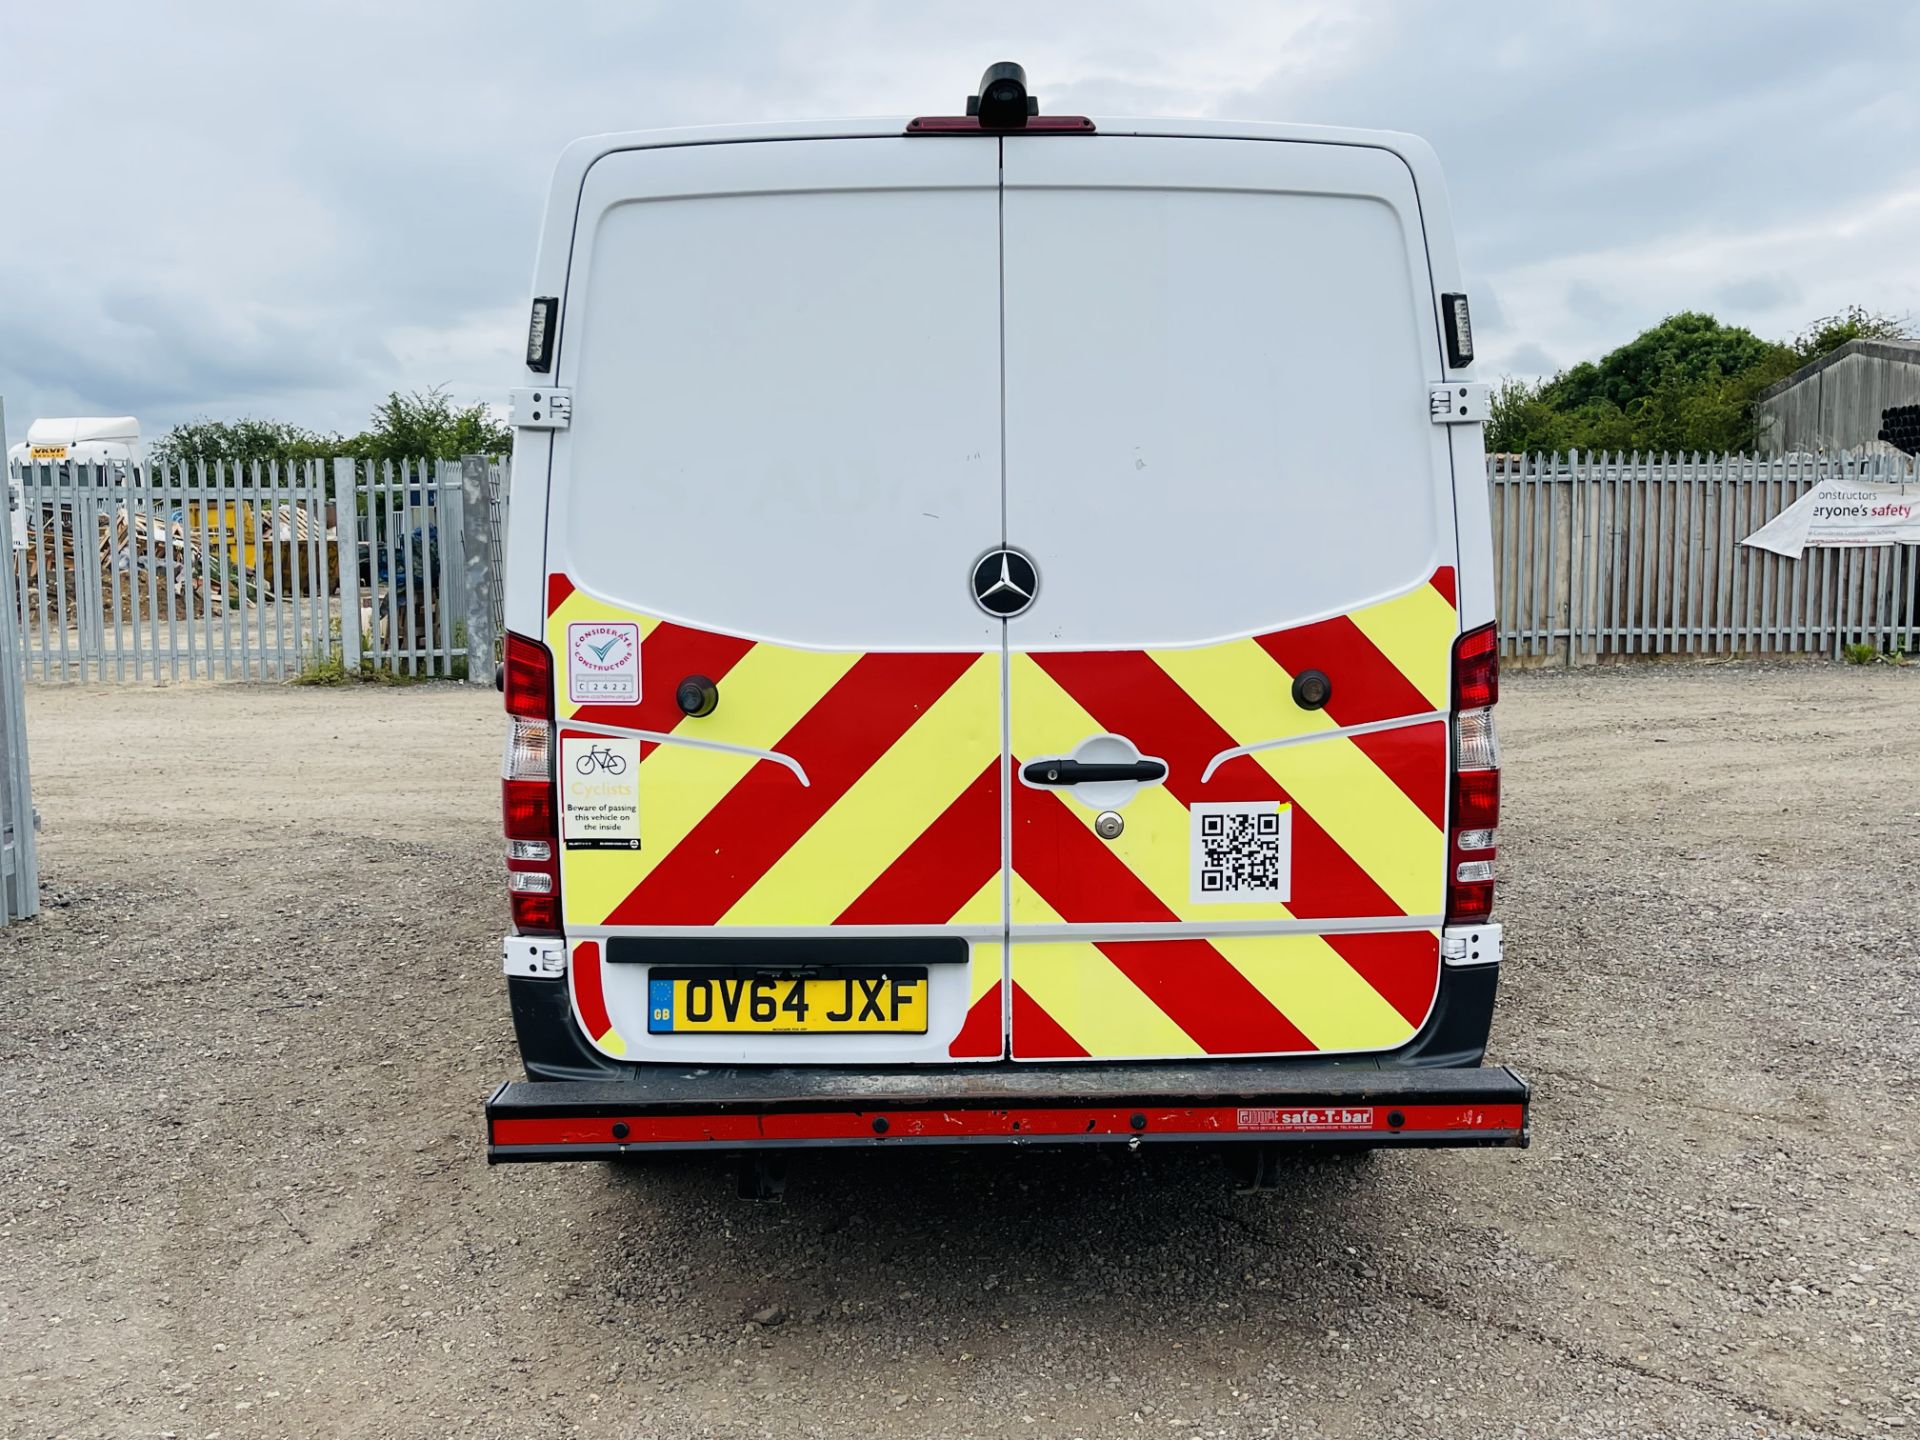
pixel 1080 772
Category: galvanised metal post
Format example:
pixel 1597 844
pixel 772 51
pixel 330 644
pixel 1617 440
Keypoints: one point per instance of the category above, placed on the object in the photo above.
pixel 21 881
pixel 481 579
pixel 346 529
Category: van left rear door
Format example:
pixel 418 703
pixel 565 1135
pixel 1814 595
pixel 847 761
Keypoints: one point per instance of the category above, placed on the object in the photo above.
pixel 783 460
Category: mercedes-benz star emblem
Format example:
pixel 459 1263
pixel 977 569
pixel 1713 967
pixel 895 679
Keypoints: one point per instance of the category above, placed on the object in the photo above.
pixel 1004 582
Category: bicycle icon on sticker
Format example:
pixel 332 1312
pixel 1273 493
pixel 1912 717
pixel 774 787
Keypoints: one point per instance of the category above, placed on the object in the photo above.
pixel 601 759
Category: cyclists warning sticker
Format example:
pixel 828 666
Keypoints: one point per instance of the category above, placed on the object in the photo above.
pixel 600 792
pixel 603 663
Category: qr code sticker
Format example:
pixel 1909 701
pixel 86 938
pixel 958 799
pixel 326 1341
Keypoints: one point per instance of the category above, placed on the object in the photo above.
pixel 1242 852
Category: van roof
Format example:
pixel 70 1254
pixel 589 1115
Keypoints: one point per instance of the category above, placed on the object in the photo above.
pixel 581 154
pixel 1415 153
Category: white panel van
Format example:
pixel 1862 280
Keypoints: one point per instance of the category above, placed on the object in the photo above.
pixel 1001 644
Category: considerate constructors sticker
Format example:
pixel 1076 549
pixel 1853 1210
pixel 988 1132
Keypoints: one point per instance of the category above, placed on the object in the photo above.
pixel 603 663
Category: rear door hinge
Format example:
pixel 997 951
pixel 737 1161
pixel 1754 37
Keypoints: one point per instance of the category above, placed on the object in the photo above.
pixel 1460 403
pixel 540 407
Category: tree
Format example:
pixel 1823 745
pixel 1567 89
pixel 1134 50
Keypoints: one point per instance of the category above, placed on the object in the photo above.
pixel 1689 347
pixel 1856 322
pixel 241 442
pixel 1521 420
pixel 1688 383
pixel 426 425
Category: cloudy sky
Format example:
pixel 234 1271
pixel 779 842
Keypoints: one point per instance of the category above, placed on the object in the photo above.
pixel 287 210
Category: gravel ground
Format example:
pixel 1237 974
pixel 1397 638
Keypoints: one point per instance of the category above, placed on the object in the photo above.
pixel 242 1189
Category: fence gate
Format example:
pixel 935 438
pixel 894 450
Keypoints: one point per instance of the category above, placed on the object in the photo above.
pixel 162 571
pixel 403 575
pixel 172 572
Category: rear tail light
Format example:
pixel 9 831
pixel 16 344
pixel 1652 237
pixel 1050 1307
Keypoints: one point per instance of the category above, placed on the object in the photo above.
pixel 528 744
pixel 527 790
pixel 1474 815
pixel 1476 669
pixel 1475 746
pixel 529 682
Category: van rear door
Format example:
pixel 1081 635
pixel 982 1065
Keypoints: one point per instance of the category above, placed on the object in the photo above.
pixel 1218 456
pixel 783 460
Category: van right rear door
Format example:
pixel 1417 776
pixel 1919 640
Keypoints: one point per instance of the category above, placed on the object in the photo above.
pixel 1219 459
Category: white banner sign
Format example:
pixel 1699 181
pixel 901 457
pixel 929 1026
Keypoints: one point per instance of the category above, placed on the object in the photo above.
pixel 1843 512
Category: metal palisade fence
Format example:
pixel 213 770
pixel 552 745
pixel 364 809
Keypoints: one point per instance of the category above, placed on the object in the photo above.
pixel 1615 555
pixel 266 571
pixel 177 572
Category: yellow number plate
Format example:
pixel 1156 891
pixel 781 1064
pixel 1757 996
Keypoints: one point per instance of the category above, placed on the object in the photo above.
pixel 892 1002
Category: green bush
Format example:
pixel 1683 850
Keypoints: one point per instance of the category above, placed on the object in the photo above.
pixel 423 425
pixel 1688 383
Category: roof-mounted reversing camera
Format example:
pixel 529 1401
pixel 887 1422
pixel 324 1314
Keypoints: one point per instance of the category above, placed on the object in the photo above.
pixel 1003 102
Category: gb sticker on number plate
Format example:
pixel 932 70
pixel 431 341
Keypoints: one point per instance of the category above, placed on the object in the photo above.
pixel 603 663
pixel 1243 852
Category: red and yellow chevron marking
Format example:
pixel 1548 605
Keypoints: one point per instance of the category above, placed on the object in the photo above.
pixel 1367 816
pixel 898 823
pixel 1223 995
pixel 1367 810
pixel 590 1000
pixel 980 1035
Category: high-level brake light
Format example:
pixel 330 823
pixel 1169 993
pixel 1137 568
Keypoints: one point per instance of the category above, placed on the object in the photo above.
pixel 1002 106
pixel 527 790
pixel 970 125
pixel 1473 829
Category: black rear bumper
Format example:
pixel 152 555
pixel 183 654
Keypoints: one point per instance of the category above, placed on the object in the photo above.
pixel 772 1108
